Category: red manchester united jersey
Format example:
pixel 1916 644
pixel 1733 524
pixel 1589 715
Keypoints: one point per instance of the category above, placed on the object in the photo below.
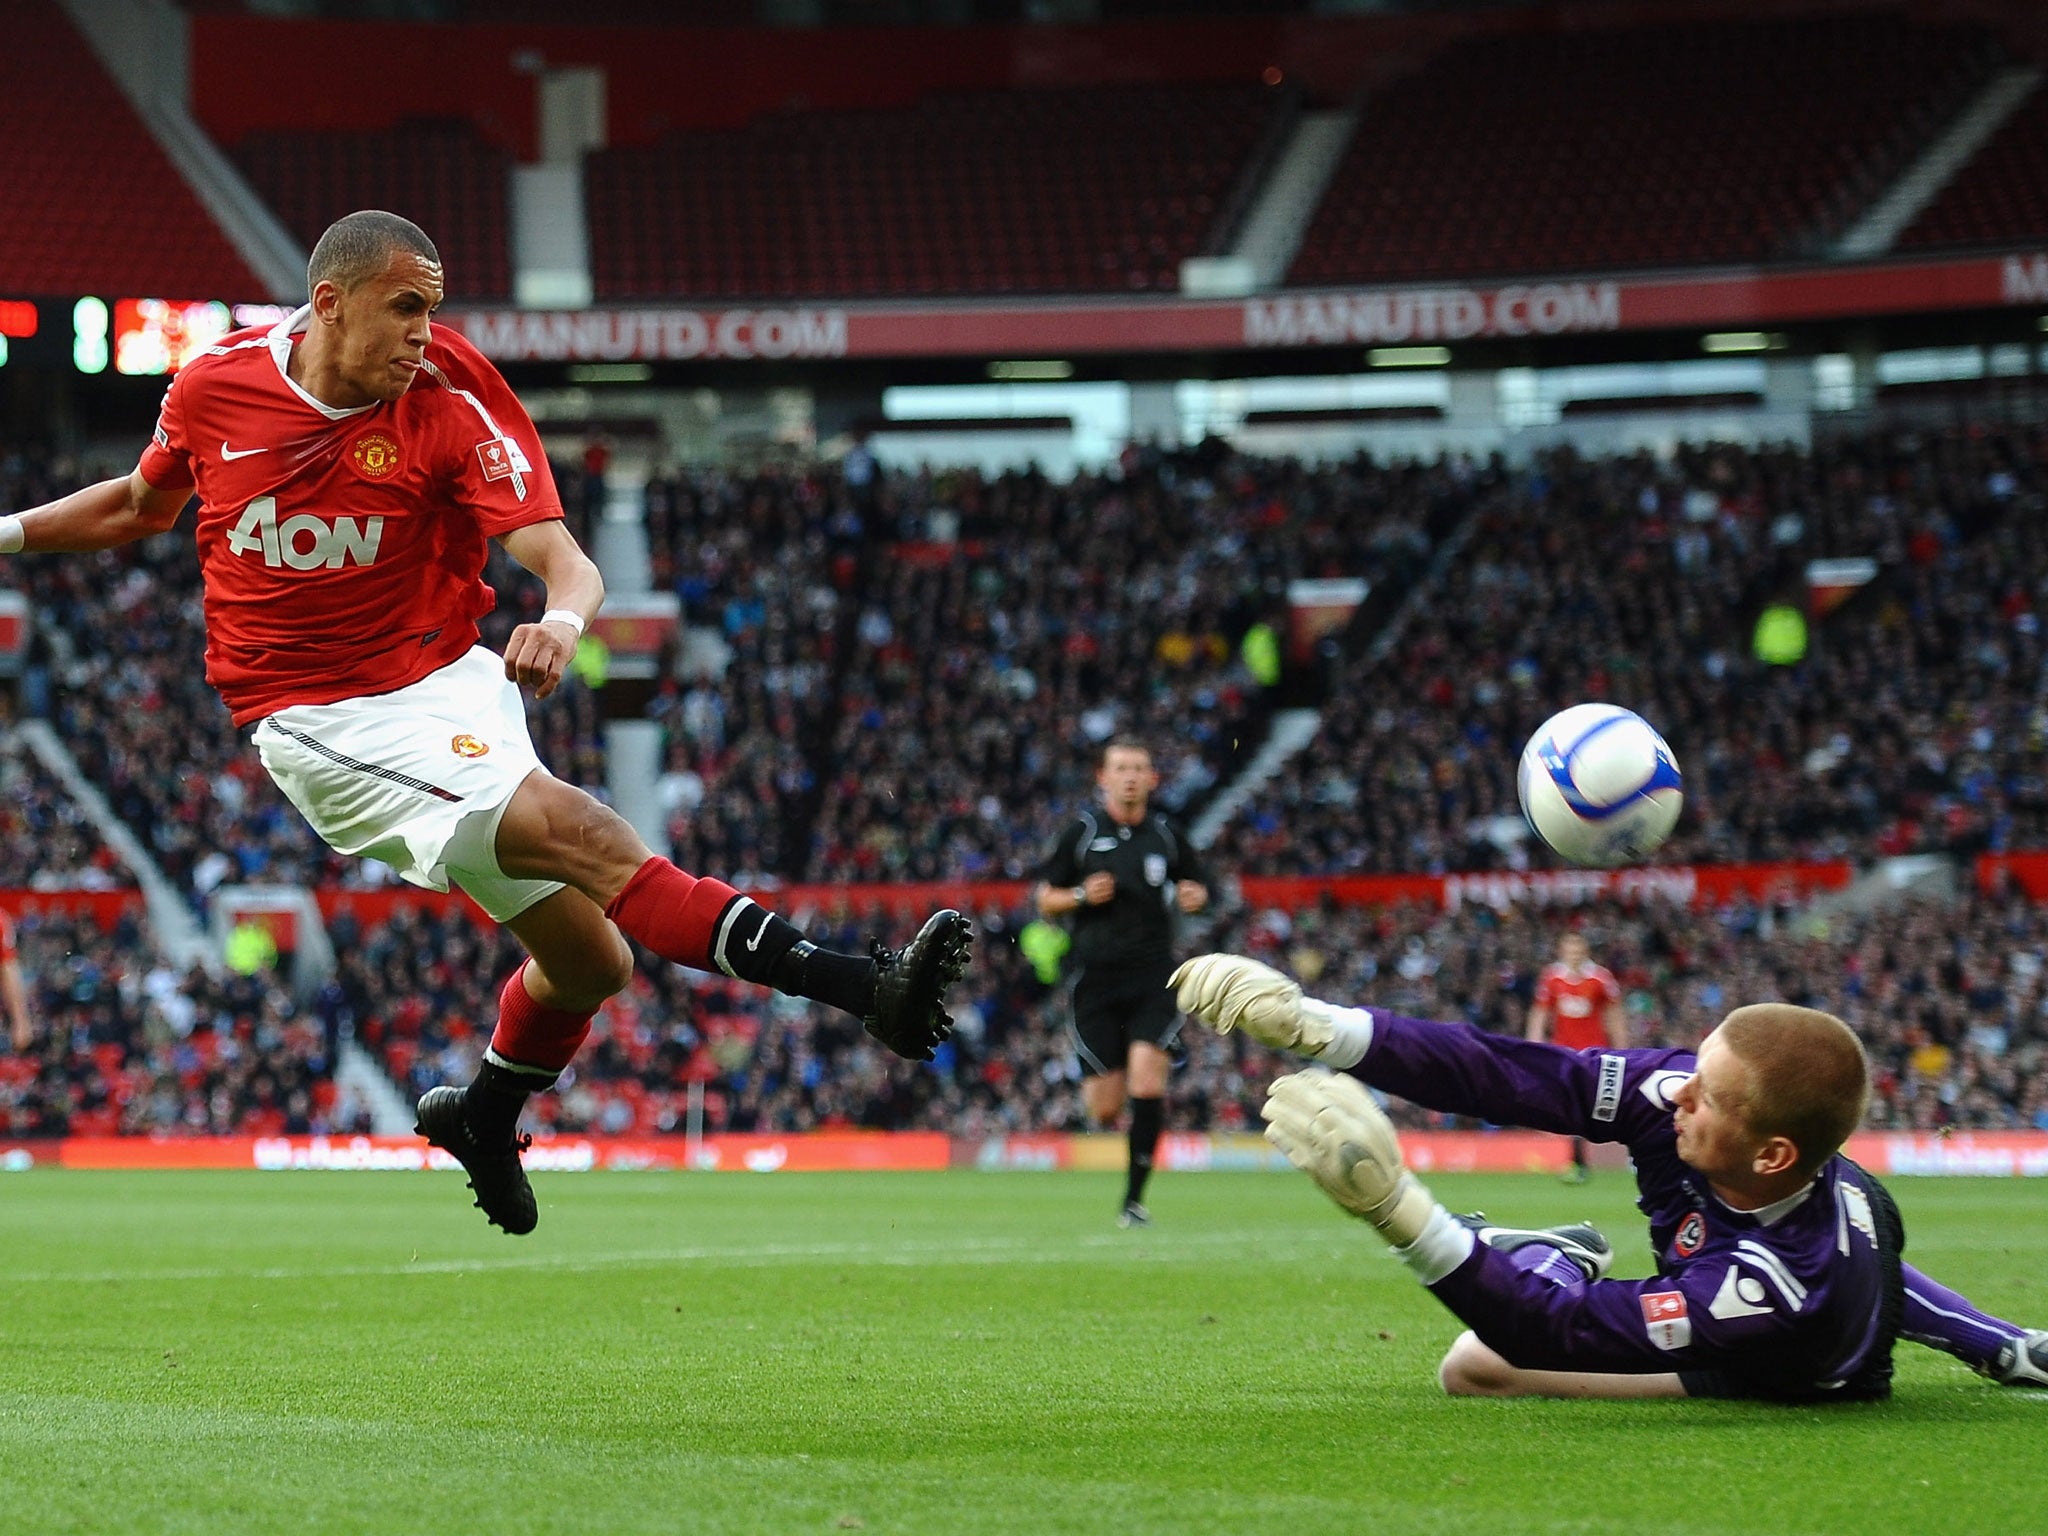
pixel 343 550
pixel 1577 1000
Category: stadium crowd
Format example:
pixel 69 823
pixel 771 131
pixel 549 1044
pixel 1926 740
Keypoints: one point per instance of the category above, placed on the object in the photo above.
pixel 1952 1003
pixel 125 1044
pixel 987 674
pixel 898 676
pixel 954 646
pixel 1915 721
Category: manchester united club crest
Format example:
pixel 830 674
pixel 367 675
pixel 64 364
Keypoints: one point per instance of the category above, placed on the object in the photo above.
pixel 468 746
pixel 375 455
pixel 1692 1233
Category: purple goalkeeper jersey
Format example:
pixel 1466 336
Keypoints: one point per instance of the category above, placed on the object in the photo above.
pixel 1795 1300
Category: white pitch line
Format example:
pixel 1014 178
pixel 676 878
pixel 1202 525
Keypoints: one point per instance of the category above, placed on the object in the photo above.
pixel 1147 1249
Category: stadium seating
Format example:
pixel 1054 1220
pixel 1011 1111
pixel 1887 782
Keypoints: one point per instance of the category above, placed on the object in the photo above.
pixel 1019 192
pixel 445 176
pixel 1660 145
pixel 902 705
pixel 92 204
pixel 2001 196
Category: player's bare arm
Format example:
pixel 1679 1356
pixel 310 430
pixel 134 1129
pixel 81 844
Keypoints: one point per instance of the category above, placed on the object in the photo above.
pixel 102 516
pixel 16 997
pixel 537 654
pixel 1615 1018
pixel 1058 901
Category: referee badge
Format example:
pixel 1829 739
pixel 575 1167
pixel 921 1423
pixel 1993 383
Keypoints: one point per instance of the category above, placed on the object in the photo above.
pixel 1155 869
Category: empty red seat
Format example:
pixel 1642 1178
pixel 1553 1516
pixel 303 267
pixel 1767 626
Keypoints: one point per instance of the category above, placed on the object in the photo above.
pixel 1036 191
pixel 2001 196
pixel 444 176
pixel 1672 144
pixel 82 178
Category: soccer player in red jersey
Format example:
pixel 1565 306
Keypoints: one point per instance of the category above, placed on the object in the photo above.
pixel 1580 1004
pixel 12 990
pixel 350 465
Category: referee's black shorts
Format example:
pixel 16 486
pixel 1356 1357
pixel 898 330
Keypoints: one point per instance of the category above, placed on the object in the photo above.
pixel 1117 1003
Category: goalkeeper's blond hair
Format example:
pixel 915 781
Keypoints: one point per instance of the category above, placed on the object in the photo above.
pixel 1809 1080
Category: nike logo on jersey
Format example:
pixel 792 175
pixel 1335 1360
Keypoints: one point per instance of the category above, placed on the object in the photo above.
pixel 232 454
pixel 1103 845
pixel 755 942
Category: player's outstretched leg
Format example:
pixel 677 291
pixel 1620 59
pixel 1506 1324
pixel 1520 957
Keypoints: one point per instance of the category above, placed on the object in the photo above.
pixel 1567 1254
pixel 1947 1320
pixel 552 831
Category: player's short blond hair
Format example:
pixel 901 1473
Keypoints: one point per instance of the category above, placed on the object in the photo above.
pixel 1809 1080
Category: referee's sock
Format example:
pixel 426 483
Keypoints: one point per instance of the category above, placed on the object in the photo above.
pixel 706 924
pixel 1147 1115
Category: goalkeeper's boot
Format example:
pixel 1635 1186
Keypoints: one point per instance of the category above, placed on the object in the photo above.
pixel 909 1014
pixel 493 1166
pixel 2023 1362
pixel 1580 1241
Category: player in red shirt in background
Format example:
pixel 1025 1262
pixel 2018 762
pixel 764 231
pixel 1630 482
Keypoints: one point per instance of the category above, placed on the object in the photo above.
pixel 1578 1006
pixel 12 990
pixel 351 464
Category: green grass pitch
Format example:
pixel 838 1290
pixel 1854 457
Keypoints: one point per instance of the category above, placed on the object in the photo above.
pixel 959 1352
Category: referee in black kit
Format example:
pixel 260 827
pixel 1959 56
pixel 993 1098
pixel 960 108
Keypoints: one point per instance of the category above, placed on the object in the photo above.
pixel 1124 872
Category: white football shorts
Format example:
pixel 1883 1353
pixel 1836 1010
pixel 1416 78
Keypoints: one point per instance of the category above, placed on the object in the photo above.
pixel 419 778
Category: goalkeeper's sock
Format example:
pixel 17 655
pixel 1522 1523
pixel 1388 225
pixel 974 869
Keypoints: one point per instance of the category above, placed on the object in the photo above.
pixel 1147 1115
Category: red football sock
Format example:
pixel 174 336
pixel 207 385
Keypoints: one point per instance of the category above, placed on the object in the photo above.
pixel 673 914
pixel 533 1040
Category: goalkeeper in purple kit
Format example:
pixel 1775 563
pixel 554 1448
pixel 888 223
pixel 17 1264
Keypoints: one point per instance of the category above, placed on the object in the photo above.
pixel 1780 1273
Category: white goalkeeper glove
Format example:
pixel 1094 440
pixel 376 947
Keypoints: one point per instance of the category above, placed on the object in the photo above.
pixel 1330 1128
pixel 1229 992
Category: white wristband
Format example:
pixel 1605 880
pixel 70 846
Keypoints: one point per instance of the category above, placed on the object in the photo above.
pixel 1350 1032
pixel 1441 1246
pixel 568 616
pixel 12 535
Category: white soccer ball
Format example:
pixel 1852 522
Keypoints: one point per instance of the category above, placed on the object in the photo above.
pixel 1600 786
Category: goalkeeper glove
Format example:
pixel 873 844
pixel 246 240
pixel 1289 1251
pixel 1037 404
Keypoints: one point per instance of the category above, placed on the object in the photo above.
pixel 1330 1128
pixel 1230 992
